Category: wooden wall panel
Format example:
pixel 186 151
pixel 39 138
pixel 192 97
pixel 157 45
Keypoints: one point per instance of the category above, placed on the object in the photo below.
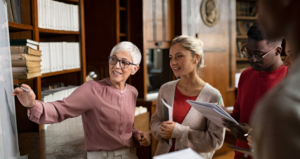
pixel 136 37
pixel 100 32
pixel 169 19
pixel 26 12
pixel 219 45
pixel 159 20
pixel 148 19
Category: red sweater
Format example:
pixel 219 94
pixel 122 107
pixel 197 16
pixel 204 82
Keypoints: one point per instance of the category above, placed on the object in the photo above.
pixel 180 109
pixel 252 86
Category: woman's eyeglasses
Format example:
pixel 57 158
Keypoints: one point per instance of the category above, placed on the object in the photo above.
pixel 123 63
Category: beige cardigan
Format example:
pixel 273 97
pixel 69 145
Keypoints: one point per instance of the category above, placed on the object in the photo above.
pixel 196 131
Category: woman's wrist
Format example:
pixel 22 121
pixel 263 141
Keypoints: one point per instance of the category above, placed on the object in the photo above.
pixel 32 104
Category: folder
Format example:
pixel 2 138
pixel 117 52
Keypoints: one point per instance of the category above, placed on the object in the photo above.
pixel 242 150
pixel 167 112
pixel 212 111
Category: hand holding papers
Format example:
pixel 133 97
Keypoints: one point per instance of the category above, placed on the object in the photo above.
pixel 167 112
pixel 239 130
pixel 186 153
pixel 212 111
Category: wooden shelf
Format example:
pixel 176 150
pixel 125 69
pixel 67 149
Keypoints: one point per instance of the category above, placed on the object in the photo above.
pixel 122 8
pixel 19 81
pixel 60 72
pixel 17 26
pixel 246 18
pixel 123 34
pixel 242 59
pixel 242 37
pixel 50 31
pixel 69 1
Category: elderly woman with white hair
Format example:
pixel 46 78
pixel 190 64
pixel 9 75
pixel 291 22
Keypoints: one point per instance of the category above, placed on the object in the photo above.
pixel 107 108
pixel 189 128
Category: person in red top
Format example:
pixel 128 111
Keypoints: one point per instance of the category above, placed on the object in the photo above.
pixel 180 109
pixel 266 71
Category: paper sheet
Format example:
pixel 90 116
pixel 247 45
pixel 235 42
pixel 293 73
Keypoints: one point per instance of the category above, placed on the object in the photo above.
pixel 186 153
pixel 212 111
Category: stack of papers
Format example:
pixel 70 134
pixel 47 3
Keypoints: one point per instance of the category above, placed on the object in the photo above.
pixel 212 111
pixel 186 153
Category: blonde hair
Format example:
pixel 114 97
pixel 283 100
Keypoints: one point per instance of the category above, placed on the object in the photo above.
pixel 192 44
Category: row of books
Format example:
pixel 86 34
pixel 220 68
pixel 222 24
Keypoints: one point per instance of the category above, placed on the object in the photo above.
pixel 57 15
pixel 50 86
pixel 246 8
pixel 14 11
pixel 240 44
pixel 57 94
pixel 26 61
pixel 58 56
pixel 242 27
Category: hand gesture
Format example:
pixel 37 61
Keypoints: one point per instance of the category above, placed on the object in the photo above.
pixel 143 138
pixel 166 129
pixel 239 130
pixel 27 99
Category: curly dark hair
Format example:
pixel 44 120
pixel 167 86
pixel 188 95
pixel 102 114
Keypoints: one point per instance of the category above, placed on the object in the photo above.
pixel 257 34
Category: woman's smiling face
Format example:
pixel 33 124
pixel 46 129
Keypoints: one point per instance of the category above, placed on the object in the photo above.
pixel 181 60
pixel 118 74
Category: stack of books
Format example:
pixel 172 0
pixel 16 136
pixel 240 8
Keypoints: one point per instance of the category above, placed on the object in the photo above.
pixel 58 56
pixel 50 86
pixel 25 59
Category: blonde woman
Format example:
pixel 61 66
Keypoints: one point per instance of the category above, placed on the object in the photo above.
pixel 190 129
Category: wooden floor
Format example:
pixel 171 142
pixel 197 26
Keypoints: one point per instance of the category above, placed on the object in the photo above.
pixel 229 155
pixel 64 140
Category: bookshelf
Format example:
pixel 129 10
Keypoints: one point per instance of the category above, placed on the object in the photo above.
pixel 123 27
pixel 29 30
pixel 245 17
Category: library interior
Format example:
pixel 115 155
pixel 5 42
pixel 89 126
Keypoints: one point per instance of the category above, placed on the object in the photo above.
pixel 67 50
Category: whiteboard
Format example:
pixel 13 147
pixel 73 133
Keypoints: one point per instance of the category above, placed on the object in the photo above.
pixel 8 128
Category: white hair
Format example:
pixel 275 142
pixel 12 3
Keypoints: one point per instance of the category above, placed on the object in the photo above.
pixel 130 48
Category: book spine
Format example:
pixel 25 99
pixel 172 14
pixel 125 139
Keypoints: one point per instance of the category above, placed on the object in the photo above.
pixel 25 57
pixel 14 10
pixel 42 48
pixel 19 11
pixel 18 49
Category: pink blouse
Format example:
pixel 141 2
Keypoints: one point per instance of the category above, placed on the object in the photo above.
pixel 107 114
